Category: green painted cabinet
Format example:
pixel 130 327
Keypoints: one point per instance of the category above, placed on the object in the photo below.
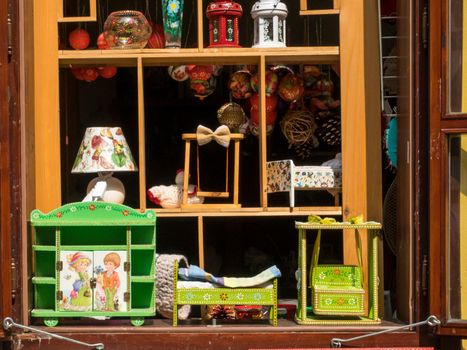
pixel 93 259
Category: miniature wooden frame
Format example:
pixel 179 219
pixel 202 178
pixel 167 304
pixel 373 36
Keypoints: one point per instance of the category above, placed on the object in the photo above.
pixel 91 18
pixel 236 138
pixel 305 12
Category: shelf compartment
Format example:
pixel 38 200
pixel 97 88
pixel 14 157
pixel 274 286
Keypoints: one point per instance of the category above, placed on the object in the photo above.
pixel 87 235
pixel 142 295
pixel 142 235
pixel 44 264
pixel 93 247
pixel 44 235
pixel 44 296
pixel 43 280
pixel 142 262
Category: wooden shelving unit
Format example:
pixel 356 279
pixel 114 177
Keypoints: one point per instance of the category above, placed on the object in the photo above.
pixel 359 77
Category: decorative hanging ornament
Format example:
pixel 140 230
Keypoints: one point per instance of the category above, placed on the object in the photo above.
pixel 102 44
pixel 178 73
pixel 240 85
pixel 232 115
pixel 272 81
pixel 223 18
pixel 79 39
pixel 291 87
pixel 269 27
pixel 107 72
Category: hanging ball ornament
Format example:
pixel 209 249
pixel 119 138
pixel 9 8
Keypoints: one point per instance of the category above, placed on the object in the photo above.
pixel 90 74
pixel 240 85
pixel 178 73
pixel 78 73
pixel 291 87
pixel 79 39
pixel 102 44
pixel 298 127
pixel 232 115
pixel 272 81
pixel 107 72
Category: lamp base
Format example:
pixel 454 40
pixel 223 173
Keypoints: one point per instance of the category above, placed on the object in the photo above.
pixel 114 192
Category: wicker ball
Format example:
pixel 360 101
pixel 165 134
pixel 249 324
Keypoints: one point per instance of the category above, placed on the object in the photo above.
pixel 298 127
pixel 232 115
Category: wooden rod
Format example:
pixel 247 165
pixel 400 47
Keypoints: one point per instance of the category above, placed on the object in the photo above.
pixel 141 136
pixel 200 25
pixel 236 171
pixel 262 132
pixel 186 174
pixel 303 5
pixel 200 241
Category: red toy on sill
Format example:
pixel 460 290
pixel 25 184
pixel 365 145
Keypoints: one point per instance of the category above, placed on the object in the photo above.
pixel 223 18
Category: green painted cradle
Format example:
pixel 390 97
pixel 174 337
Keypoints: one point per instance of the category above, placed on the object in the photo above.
pixel 93 259
pixel 225 296
pixel 305 315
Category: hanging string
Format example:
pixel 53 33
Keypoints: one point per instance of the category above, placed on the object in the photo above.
pixel 192 14
pixel 147 14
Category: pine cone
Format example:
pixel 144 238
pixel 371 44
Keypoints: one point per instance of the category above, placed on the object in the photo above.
pixel 330 131
pixel 222 312
pixel 304 151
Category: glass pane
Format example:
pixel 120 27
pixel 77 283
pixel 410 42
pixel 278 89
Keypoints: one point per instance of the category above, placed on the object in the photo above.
pixel 457 101
pixel 457 247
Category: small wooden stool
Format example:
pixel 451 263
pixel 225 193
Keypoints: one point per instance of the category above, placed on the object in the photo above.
pixel 236 138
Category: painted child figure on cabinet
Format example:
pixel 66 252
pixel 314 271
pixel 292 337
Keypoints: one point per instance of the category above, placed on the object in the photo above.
pixel 108 282
pixel 80 295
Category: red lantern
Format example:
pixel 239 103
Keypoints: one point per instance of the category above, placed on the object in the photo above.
pixel 79 39
pixel 223 18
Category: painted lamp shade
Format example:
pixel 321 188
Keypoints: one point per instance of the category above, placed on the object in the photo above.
pixel 269 23
pixel 104 150
pixel 223 18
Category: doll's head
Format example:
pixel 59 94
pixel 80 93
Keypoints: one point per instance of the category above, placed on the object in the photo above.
pixel 111 261
pixel 78 262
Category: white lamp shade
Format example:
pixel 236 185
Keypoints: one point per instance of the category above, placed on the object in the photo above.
pixel 103 149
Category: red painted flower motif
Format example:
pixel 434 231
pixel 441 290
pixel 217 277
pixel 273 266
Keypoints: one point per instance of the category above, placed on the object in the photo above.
pixel 224 296
pixel 92 207
pixel 59 214
pixel 340 301
pixel 336 271
pixel 125 213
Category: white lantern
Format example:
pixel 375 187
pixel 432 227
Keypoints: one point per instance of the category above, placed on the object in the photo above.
pixel 269 17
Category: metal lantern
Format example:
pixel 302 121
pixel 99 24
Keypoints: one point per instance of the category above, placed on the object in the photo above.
pixel 270 26
pixel 223 18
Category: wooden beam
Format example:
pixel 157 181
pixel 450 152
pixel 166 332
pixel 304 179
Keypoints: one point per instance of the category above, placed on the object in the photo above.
pixel 360 118
pixel 141 137
pixel 46 107
pixel 91 18
pixel 263 200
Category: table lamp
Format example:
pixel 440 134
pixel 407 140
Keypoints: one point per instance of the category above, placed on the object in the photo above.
pixel 104 150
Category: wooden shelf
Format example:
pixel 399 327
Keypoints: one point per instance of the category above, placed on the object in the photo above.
pixel 270 211
pixel 43 280
pixel 165 57
pixel 319 12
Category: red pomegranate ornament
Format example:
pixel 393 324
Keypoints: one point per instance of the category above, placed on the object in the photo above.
pixel 271 102
pixel 90 74
pixel 79 39
pixel 102 44
pixel 156 40
pixel 78 73
pixel 107 72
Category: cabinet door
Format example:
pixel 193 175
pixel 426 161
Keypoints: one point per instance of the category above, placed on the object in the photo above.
pixel 111 281
pixel 448 165
pixel 75 281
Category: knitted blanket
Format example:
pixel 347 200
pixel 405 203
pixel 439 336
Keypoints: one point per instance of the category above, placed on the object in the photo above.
pixel 165 285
